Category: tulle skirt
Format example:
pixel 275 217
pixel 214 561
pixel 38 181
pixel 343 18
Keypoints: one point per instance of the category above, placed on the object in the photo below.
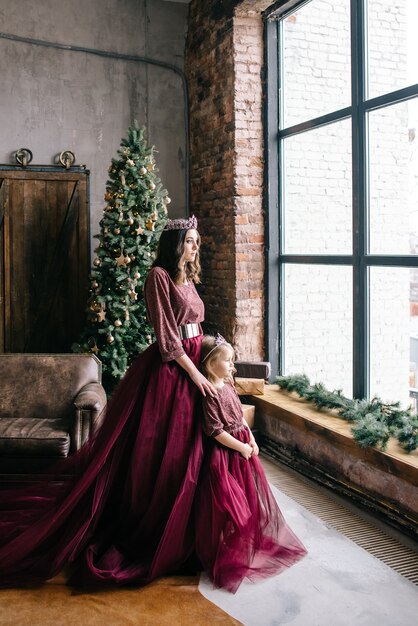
pixel 125 517
pixel 240 530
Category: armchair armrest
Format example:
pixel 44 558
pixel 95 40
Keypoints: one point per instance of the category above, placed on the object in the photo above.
pixel 90 404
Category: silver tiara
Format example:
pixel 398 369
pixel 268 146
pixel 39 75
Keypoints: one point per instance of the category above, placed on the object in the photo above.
pixel 182 223
pixel 219 341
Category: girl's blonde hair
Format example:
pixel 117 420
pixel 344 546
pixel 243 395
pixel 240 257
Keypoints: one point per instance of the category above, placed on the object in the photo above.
pixel 211 351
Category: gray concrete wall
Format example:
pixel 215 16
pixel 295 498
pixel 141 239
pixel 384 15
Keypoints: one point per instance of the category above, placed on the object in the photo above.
pixel 51 100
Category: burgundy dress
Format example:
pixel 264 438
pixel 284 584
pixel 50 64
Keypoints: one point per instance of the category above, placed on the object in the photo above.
pixel 240 530
pixel 126 518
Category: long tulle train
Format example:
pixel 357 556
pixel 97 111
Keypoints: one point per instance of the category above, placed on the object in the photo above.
pixel 125 517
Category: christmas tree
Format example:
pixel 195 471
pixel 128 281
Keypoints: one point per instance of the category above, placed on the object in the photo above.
pixel 133 218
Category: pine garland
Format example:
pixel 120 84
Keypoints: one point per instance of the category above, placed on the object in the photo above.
pixel 373 420
pixel 117 329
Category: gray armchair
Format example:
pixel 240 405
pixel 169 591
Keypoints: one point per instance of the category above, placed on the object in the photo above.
pixel 50 404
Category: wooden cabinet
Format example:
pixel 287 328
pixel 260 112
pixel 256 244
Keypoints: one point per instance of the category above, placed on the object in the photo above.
pixel 44 257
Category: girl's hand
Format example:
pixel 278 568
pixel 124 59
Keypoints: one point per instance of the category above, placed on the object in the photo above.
pixel 205 387
pixel 254 446
pixel 246 451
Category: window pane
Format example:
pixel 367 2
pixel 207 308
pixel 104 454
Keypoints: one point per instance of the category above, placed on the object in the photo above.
pixel 318 322
pixel 394 334
pixel 392 45
pixel 393 147
pixel 316 60
pixel 317 191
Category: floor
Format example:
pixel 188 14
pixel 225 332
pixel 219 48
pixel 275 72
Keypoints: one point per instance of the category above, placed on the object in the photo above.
pixel 337 584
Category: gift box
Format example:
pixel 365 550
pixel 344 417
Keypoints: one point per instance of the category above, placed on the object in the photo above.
pixel 253 369
pixel 249 386
pixel 249 414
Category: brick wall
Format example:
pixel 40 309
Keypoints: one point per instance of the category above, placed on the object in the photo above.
pixel 224 55
pixel 223 64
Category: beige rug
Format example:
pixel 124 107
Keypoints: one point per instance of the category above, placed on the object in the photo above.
pixel 167 601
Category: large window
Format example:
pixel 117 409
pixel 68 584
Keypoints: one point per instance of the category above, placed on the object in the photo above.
pixel 342 167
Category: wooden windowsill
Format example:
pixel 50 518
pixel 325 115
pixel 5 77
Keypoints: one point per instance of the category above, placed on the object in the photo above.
pixel 303 415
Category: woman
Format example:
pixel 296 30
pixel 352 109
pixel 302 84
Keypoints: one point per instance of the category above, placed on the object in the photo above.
pixel 127 518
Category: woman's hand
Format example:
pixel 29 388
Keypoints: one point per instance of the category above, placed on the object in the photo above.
pixel 201 382
pixel 246 451
pixel 205 387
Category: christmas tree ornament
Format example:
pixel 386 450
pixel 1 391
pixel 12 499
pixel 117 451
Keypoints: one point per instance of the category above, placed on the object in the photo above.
pixel 143 170
pixel 96 262
pixel 108 196
pixel 101 315
pixel 139 230
pixel 150 166
pixel 151 185
pixel 127 260
pixel 116 231
pixel 137 275
pixel 110 338
pixel 95 306
pixel 121 217
pixel 120 260
pixel 167 200
pixel 132 294
pixel 149 225
pixel 94 284
pixel 126 314
pixel 93 346
pixel 130 162
pixel 118 323
pixel 130 221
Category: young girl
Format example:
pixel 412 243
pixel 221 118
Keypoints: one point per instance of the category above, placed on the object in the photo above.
pixel 240 531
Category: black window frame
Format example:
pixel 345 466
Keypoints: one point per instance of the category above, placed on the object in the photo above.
pixel 360 260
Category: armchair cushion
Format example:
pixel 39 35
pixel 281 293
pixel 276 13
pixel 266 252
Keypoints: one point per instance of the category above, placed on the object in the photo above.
pixel 33 437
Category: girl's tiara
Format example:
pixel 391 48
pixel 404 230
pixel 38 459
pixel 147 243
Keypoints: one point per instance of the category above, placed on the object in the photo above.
pixel 182 224
pixel 219 341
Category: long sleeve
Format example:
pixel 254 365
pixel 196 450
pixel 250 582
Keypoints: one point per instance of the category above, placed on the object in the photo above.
pixel 157 298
